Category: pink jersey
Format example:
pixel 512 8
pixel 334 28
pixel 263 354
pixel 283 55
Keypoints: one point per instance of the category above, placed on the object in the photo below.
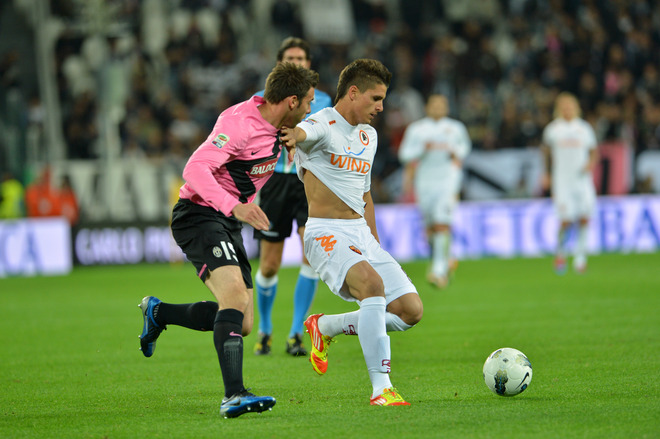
pixel 235 160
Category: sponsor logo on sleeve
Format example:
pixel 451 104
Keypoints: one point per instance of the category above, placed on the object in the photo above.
pixel 220 140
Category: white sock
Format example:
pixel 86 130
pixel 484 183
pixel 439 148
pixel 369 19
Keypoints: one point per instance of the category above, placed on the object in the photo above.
pixel 375 342
pixel 562 234
pixel 581 244
pixel 333 324
pixel 265 282
pixel 439 253
pixel 394 323
pixel 347 323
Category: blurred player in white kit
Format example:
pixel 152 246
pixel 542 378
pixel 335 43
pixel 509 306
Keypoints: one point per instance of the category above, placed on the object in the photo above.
pixel 433 150
pixel 569 143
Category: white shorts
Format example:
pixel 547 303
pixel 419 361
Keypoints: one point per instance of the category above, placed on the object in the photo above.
pixel 437 206
pixel 333 246
pixel 574 202
pixel 437 199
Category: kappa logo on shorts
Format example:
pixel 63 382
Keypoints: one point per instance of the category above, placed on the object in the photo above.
pixel 327 242
pixel 355 249
pixel 217 252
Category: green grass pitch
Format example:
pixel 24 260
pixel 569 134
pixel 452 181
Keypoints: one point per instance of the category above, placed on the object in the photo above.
pixel 70 365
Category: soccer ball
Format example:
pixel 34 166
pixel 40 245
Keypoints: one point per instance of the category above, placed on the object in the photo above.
pixel 507 372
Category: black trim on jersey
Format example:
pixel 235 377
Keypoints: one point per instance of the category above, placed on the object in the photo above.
pixel 239 170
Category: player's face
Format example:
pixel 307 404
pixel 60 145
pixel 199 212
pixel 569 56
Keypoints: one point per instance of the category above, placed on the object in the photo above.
pixel 301 110
pixel 296 56
pixel 568 108
pixel 368 104
pixel 437 107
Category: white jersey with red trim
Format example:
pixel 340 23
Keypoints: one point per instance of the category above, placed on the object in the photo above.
pixel 339 154
pixel 570 142
pixel 431 142
pixel 573 191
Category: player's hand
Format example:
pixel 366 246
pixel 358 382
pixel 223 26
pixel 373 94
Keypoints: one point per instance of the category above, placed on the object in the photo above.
pixel 252 214
pixel 288 140
pixel 545 182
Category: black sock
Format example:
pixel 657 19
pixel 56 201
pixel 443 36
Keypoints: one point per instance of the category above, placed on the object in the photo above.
pixel 199 316
pixel 229 344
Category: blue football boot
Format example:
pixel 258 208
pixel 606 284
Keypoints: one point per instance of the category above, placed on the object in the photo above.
pixel 150 330
pixel 245 402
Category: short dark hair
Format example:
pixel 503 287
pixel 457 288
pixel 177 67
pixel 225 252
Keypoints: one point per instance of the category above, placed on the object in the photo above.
pixel 290 42
pixel 287 79
pixel 364 74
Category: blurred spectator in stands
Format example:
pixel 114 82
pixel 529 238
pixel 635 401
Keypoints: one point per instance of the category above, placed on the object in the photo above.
pixel 648 86
pixel 41 198
pixel 439 67
pixel 68 201
pixel 11 197
pixel 648 136
pixel 478 54
pixel 475 112
pixel 509 135
pixel 285 18
pixel 13 109
pixel 80 129
pixel 184 129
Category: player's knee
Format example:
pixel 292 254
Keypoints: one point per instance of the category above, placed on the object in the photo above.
pixel 268 270
pixel 269 266
pixel 409 308
pixel 414 313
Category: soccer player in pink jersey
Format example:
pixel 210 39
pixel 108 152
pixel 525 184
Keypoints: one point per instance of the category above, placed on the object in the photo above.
pixel 334 153
pixel 222 178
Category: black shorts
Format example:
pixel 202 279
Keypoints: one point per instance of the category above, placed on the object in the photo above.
pixel 209 239
pixel 282 200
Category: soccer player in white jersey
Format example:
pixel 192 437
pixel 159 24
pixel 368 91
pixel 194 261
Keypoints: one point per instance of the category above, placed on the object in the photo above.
pixel 569 143
pixel 433 150
pixel 334 156
pixel 283 200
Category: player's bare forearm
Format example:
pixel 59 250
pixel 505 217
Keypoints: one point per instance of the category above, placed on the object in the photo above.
pixel 408 178
pixel 593 159
pixel 370 214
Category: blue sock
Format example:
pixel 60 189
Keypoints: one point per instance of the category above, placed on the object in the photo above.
pixel 303 297
pixel 266 292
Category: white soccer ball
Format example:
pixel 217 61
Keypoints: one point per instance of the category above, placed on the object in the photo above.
pixel 507 372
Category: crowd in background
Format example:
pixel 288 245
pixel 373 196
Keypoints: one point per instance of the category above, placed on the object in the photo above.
pixel 166 69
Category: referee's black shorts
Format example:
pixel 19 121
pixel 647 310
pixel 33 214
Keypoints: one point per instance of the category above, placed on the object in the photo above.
pixel 209 239
pixel 282 200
